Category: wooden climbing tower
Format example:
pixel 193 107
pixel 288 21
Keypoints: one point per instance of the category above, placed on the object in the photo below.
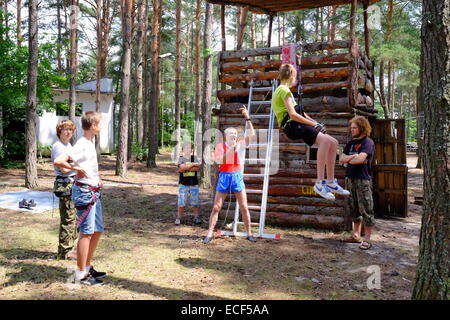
pixel 338 83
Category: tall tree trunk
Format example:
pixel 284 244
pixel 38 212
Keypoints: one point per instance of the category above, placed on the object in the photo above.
pixel 178 74
pixel 186 44
pixel 389 93
pixel 139 72
pixel 98 71
pixel 107 21
pixel 400 110
pixel 382 95
pixel 207 88
pixel 419 126
pixel 146 71
pixel 253 30
pixel 1 18
pixel 241 27
pixel 131 126
pixel 73 25
pixel 198 80
pixel 5 11
pixel 317 27
pixel 66 27
pixel 31 178
pixel 60 42
pixel 160 111
pixel 269 36
pixel 432 279
pixel 153 138
pixel 328 23
pixel 393 91
pixel 408 122
pixel 322 34
pixel 332 25
pixel 122 150
pixel 19 22
pixel 279 29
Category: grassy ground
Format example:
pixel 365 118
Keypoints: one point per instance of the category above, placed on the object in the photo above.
pixel 148 257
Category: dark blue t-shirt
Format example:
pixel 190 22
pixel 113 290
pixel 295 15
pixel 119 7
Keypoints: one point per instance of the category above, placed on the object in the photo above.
pixel 356 146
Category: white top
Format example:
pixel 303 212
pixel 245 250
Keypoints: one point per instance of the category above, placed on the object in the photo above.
pixel 84 155
pixel 59 148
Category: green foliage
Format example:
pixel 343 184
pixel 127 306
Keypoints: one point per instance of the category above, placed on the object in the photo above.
pixel 139 151
pixel 13 90
pixel 44 150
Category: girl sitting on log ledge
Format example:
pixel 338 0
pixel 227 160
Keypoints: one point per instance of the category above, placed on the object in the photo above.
pixel 296 124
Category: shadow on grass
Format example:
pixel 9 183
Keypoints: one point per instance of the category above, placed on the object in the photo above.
pixel 41 274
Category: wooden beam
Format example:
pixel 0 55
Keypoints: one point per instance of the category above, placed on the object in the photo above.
pixel 310 73
pixel 274 64
pixel 242 92
pixel 309 47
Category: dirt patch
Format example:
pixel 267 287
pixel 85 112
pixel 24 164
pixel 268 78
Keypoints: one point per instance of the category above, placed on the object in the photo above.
pixel 148 257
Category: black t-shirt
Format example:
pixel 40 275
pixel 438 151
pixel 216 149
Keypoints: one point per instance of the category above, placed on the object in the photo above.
pixel 356 146
pixel 188 178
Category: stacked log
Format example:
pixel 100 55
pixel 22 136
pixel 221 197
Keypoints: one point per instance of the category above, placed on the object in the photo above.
pixel 326 83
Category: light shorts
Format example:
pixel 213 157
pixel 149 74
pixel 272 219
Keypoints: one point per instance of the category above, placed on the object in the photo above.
pixel 230 182
pixel 94 220
pixel 185 192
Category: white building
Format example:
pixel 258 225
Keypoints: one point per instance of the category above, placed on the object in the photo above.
pixel 85 99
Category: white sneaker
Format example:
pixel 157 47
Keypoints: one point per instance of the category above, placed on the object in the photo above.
pixel 336 188
pixel 322 190
pixel 177 221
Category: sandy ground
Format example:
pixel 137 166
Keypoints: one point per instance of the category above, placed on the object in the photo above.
pixel 172 263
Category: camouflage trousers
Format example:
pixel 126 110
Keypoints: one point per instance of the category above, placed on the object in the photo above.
pixel 68 231
pixel 361 200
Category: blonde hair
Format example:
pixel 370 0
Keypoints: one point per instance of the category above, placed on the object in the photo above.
pixel 89 118
pixel 65 124
pixel 287 73
pixel 362 124
pixel 227 130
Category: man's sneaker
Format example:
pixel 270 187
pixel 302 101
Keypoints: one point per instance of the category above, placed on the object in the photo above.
pixel 198 220
pixel 322 190
pixel 336 188
pixel 91 281
pixel 177 221
pixel 96 274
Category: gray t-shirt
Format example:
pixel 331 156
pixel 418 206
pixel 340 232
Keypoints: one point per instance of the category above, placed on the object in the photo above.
pixel 58 149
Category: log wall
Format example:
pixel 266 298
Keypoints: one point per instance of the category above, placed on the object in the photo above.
pixel 337 84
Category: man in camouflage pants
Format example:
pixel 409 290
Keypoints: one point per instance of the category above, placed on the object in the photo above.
pixel 68 231
pixel 358 155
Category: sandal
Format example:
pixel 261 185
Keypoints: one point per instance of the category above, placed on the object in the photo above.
pixel 365 245
pixel 352 239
